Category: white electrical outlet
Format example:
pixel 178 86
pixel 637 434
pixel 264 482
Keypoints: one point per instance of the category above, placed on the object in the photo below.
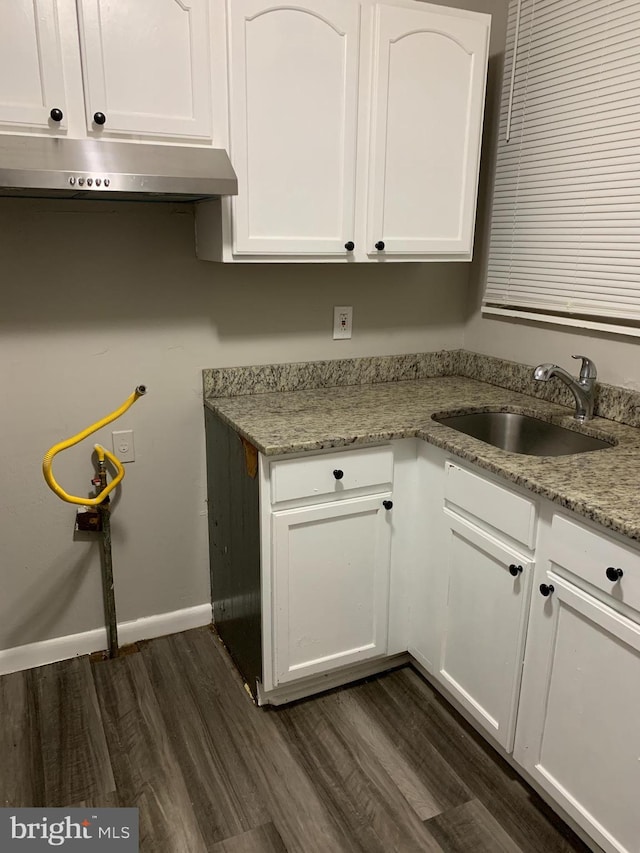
pixel 123 446
pixel 342 322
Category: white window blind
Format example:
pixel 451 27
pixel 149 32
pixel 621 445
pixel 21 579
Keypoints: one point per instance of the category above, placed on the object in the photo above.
pixel 565 237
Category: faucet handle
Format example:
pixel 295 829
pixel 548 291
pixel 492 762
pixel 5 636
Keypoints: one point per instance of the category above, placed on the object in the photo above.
pixel 588 368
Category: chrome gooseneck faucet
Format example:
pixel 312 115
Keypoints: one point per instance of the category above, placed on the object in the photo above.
pixel 583 388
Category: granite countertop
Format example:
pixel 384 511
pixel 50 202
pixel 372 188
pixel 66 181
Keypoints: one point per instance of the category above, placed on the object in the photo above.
pixel 600 485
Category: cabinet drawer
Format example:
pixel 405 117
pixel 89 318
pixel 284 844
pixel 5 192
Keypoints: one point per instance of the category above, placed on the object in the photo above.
pixel 314 476
pixel 511 514
pixel 588 555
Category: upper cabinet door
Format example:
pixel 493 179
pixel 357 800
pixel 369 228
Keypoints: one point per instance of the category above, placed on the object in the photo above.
pixel 429 83
pixel 293 86
pixel 146 67
pixel 31 78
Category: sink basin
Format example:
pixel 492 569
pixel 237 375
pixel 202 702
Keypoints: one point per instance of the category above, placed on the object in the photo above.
pixel 523 434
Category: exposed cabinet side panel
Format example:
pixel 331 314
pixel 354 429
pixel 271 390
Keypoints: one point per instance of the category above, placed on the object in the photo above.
pixel 234 548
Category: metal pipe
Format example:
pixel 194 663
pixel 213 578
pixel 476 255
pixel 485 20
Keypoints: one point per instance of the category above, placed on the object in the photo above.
pixel 108 594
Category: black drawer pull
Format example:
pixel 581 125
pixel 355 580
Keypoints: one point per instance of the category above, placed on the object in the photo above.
pixel 515 570
pixel 546 589
pixel 338 474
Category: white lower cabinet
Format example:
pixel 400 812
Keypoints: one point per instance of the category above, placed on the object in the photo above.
pixel 483 627
pixel 472 588
pixel 330 585
pixel 326 562
pixel 578 730
pixel 569 622
pixel 527 619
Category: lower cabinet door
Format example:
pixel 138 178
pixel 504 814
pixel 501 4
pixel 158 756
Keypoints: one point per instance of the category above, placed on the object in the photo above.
pixel 330 586
pixel 579 724
pixel 483 627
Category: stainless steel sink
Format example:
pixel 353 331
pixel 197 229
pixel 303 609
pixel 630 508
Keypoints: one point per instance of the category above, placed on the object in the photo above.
pixel 523 434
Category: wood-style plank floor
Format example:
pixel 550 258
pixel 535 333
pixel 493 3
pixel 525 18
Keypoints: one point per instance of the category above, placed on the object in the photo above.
pixel 383 765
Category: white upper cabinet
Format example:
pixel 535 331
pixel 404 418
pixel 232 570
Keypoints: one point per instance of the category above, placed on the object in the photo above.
pixel 31 75
pixel 293 78
pixel 428 100
pixel 354 128
pixel 142 67
pixel 146 67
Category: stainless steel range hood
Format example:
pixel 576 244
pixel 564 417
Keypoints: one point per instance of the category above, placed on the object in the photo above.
pixel 37 167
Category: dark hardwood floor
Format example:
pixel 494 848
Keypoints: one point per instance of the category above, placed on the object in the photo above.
pixel 384 765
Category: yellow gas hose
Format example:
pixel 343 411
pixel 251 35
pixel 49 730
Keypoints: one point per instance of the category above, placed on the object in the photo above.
pixel 102 453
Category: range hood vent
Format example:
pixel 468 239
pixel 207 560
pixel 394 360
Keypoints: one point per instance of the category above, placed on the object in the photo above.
pixel 46 167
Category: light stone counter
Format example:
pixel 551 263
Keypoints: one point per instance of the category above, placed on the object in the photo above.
pixel 600 485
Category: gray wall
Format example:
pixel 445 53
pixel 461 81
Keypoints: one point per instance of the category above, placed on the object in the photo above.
pixel 97 298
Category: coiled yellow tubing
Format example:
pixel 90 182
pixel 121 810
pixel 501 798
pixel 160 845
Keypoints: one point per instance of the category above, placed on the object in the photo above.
pixel 101 451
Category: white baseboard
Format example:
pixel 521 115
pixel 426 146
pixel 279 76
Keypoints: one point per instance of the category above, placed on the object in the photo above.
pixel 61 648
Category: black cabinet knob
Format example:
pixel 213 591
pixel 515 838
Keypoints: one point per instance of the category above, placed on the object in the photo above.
pixel 56 114
pixel 338 474
pixel 614 574
pixel 546 590
pixel 387 504
pixel 379 245
pixel 350 246
pixel 99 118
pixel 515 570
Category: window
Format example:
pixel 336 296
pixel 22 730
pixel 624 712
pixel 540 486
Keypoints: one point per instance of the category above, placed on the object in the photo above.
pixel 565 240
